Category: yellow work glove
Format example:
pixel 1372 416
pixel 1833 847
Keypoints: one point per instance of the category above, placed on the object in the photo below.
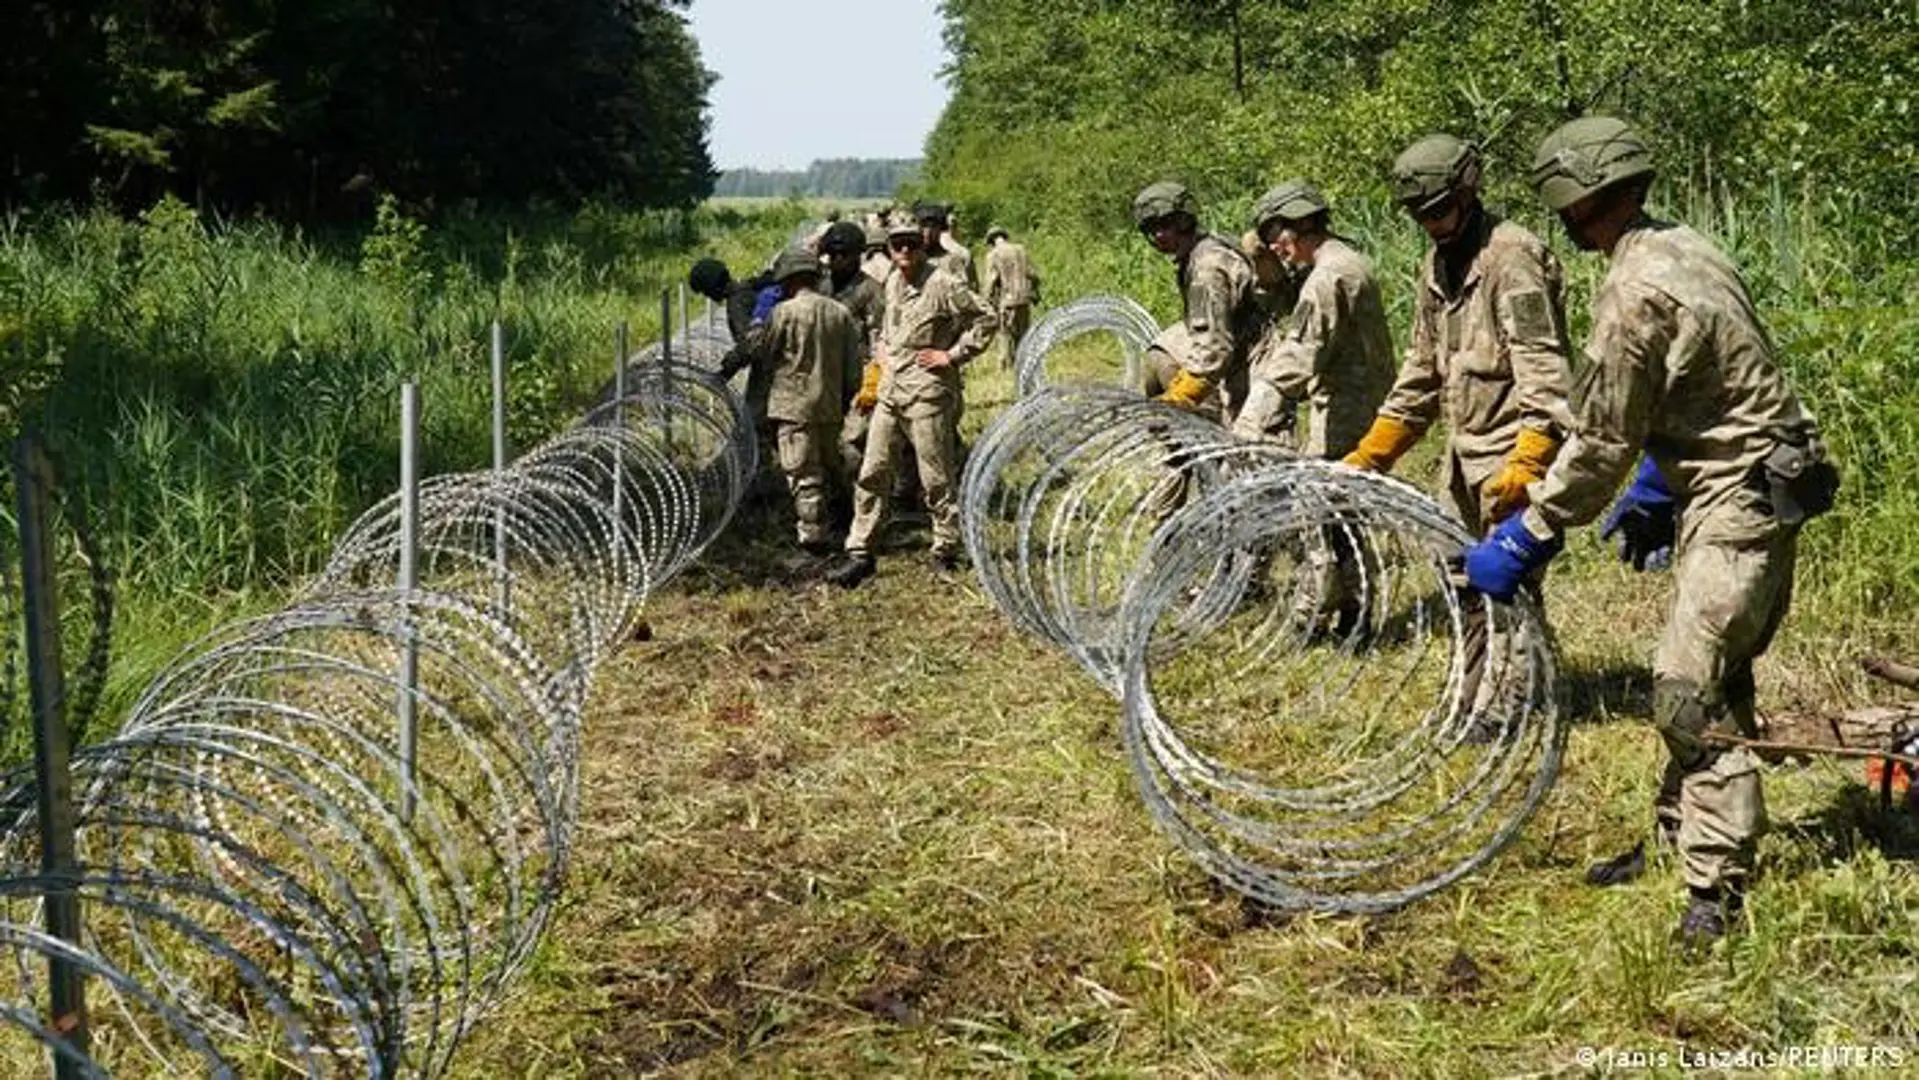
pixel 869 394
pixel 1382 445
pixel 1186 391
pixel 1506 492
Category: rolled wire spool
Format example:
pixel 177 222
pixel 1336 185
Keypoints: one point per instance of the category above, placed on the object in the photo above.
pixel 1121 316
pixel 1315 708
pixel 266 888
pixel 1356 767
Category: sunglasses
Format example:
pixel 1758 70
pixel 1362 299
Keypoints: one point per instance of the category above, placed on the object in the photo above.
pixel 905 243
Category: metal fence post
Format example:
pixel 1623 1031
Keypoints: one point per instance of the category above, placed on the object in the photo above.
pixel 51 753
pixel 502 590
pixel 409 579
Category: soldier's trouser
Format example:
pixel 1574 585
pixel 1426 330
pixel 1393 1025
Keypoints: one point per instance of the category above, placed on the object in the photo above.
pixel 931 436
pixel 802 450
pixel 1013 324
pixel 1495 679
pixel 1730 600
pixel 1156 373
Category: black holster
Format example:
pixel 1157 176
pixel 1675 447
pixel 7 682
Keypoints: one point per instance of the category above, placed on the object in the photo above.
pixel 1796 481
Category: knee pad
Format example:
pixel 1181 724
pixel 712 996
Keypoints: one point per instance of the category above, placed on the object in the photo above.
pixel 1683 711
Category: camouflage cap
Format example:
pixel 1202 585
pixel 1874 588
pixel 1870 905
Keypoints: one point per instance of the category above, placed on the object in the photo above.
pixel 1433 168
pixel 1586 155
pixel 1156 201
pixel 794 261
pixel 844 236
pixel 903 226
pixel 1294 200
pixel 876 236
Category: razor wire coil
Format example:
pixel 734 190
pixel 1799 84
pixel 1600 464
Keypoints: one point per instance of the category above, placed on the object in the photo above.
pixel 1314 707
pixel 273 880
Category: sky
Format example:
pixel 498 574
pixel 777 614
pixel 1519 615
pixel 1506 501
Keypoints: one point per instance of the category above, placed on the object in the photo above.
pixel 776 105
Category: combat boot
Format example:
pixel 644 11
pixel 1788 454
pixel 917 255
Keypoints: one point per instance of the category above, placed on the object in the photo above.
pixel 1630 865
pixel 855 569
pixel 1710 915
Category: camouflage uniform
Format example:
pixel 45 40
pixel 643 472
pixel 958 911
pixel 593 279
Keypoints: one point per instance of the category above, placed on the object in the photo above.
pixel 1679 364
pixel 935 310
pixel 1223 320
pixel 865 300
pixel 811 347
pixel 953 257
pixel 1489 355
pixel 1335 352
pixel 1012 286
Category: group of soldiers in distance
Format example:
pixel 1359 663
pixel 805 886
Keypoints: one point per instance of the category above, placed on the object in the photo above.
pixel 1678 376
pixel 854 340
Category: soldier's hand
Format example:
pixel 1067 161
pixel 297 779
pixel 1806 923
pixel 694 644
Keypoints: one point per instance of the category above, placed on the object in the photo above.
pixel 934 359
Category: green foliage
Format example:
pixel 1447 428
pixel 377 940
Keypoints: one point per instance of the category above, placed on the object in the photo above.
pixel 1062 109
pixel 306 108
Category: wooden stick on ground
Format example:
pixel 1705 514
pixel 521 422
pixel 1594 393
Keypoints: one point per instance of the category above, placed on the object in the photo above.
pixel 1892 671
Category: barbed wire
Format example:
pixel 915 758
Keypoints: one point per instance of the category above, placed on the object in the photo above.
pixel 1315 708
pixel 275 879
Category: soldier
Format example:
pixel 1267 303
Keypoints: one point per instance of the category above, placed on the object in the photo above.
pixel 1222 317
pixel 1680 367
pixel 748 304
pixel 1012 288
pixel 1489 349
pixel 1335 351
pixel 933 325
pixel 943 248
pixel 865 300
pixel 811 347
pixel 875 263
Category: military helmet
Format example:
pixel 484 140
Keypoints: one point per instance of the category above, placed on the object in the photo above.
pixel 903 226
pixel 1294 200
pixel 931 212
pixel 1433 168
pixel 708 276
pixel 995 231
pixel 1586 155
pixel 876 236
pixel 843 236
pixel 1156 201
pixel 794 261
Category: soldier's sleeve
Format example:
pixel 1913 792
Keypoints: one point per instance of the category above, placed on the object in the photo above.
pixel 1414 398
pixel 991 292
pixel 852 357
pixel 977 323
pixel 1298 348
pixel 1612 409
pixel 1209 323
pixel 1529 304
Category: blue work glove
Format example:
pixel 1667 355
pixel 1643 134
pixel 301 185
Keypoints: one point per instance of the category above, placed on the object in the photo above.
pixel 1496 565
pixel 1645 518
pixel 763 303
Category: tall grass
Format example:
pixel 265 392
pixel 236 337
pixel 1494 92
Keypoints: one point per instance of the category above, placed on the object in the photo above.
pixel 224 394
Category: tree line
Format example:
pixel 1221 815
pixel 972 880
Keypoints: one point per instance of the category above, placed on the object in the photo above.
pixel 852 178
pixel 307 108
pixel 1062 108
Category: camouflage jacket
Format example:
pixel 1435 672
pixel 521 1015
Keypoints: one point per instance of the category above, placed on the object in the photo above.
pixel 865 300
pixel 877 266
pixel 1492 357
pixel 1335 350
pixel 1677 363
pixel 1011 280
pixel 953 258
pixel 935 310
pixel 1222 314
pixel 811 346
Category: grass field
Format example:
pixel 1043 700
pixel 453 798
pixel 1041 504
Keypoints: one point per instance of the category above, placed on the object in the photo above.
pixel 880 832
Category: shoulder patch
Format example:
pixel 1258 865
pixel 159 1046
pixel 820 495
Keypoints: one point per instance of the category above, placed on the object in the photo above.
pixel 1531 316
